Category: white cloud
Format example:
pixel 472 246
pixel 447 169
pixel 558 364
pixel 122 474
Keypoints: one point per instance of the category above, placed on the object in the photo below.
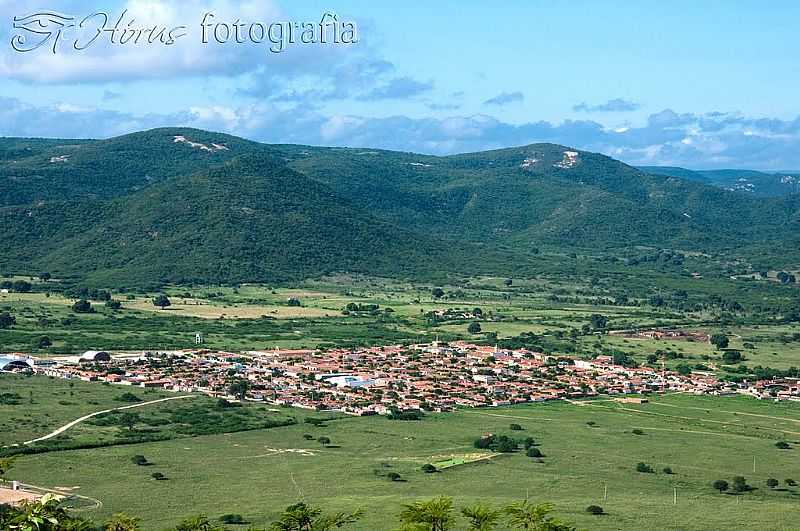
pixel 667 138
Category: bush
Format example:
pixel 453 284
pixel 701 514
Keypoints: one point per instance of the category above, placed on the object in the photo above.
pixel 740 484
pixel 128 397
pixel 772 483
pixel 515 427
pixel 668 470
pixel 782 445
pixel 637 431
pixel 429 468
pixel 790 482
pixel 720 485
pixel 594 509
pixel 234 519
pixel 644 468
pixel 158 476
pixel 140 460
pixel 394 476
pixel 534 452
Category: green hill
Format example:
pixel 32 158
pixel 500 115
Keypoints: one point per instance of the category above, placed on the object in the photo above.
pixel 750 182
pixel 183 205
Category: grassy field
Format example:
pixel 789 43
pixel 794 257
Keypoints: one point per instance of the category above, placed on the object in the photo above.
pixel 45 404
pixel 588 447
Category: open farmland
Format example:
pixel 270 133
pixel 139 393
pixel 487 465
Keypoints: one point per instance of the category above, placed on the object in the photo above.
pixel 589 448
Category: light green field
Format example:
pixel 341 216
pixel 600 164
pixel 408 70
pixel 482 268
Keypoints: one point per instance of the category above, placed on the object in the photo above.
pixel 257 473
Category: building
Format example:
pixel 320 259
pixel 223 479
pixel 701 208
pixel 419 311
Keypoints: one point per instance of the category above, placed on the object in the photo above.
pixel 15 363
pixel 94 355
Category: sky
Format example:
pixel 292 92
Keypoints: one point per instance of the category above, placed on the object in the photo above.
pixel 708 84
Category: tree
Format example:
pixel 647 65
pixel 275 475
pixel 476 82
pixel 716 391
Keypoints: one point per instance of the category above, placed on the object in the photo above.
pixel 43 342
pixel 595 510
pixel 140 460
pixel 129 420
pixel 790 482
pixel 534 452
pixel 740 484
pixel 429 468
pixel 21 286
pixel 294 302
pixel 474 328
pixel 668 470
pixel 772 483
pixel 162 301
pixel 644 468
pixel 239 388
pixel 82 306
pixel 197 523
pixel 5 465
pixel 508 282
pixel 435 514
pixel 304 517
pixel 7 320
pixel 720 341
pixel 782 445
pixel 122 522
pixel 437 293
pixel 514 427
pixel 113 305
pixel 158 476
pixel 45 276
pixel 534 517
pixel 324 441
pixel 46 514
pixel 481 517
pixel 731 357
pixel 598 321
pixel 721 485
pixel 234 519
pixel 394 476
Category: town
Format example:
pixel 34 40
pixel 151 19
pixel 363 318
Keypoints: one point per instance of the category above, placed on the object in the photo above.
pixel 387 380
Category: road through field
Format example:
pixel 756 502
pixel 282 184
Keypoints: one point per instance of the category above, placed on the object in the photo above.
pixel 67 426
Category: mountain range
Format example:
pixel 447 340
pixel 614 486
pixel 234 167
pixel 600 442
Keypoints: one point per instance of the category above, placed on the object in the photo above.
pixel 185 205
pixel 750 182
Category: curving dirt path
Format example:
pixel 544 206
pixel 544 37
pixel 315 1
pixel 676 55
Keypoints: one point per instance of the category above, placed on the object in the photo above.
pixel 67 426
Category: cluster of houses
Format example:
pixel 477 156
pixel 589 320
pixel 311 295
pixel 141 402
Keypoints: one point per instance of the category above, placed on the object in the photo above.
pixel 384 379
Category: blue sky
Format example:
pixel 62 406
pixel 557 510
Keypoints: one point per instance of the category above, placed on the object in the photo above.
pixel 699 84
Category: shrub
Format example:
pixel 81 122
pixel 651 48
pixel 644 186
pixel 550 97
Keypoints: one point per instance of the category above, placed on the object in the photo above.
pixel 515 427
pixel 158 476
pixel 394 476
pixel 782 445
pixel 644 468
pixel 790 482
pixel 740 484
pixel 721 485
pixel 668 470
pixel 534 452
pixel 429 468
pixel 594 509
pixel 772 483
pixel 234 519
pixel 637 431
pixel 140 460
pixel 128 397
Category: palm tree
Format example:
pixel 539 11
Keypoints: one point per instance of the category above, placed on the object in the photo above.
pixel 197 523
pixel 122 522
pixel 304 517
pixel 534 517
pixel 43 515
pixel 481 517
pixel 433 515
